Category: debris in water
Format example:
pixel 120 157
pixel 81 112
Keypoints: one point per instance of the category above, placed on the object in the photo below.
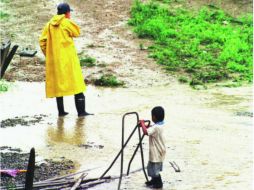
pixel 246 114
pixel 23 120
pixel 90 145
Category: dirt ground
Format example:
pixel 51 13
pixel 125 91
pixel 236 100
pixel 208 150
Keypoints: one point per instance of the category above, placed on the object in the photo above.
pixel 23 27
pixel 105 36
pixel 232 7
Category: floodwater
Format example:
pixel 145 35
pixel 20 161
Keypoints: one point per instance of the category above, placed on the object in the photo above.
pixel 207 133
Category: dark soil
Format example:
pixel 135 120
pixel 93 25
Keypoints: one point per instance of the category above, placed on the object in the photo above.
pixel 16 159
pixel 246 114
pixel 27 70
pixel 91 145
pixel 23 121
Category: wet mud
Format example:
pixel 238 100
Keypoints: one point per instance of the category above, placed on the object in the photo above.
pixel 91 145
pixel 44 169
pixel 22 121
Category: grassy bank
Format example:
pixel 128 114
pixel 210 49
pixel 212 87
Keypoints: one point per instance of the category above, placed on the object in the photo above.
pixel 203 47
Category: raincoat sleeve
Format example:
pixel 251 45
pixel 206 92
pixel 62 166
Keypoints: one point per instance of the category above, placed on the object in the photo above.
pixel 72 29
pixel 43 39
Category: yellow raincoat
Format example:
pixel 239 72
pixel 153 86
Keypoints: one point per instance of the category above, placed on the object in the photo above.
pixel 63 71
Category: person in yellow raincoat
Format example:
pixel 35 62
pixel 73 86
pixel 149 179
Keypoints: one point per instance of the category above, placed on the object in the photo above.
pixel 63 72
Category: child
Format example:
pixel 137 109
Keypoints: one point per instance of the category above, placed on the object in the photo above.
pixel 157 148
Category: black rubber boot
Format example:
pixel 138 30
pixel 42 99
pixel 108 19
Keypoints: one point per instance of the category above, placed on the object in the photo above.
pixel 81 105
pixel 157 182
pixel 60 107
pixel 150 183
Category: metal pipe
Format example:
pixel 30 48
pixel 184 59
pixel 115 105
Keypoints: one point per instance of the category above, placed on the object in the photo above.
pixel 129 165
pixel 121 149
pixel 122 154
pixel 118 154
pixel 141 152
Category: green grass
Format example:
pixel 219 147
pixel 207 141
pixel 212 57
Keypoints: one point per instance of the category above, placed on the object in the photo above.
pixel 4 15
pixel 208 46
pixel 108 80
pixel 4 86
pixel 88 61
pixel 141 46
pixel 4 1
pixel 183 79
pixel 91 46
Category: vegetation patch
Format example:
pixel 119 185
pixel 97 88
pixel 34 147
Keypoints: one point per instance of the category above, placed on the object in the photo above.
pixel 141 46
pixel 207 46
pixel 230 85
pixel 91 46
pixel 4 86
pixel 4 1
pixel 183 79
pixel 108 80
pixel 4 15
pixel 87 61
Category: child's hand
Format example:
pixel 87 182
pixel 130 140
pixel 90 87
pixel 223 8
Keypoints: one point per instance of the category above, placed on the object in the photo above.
pixel 144 127
pixel 141 123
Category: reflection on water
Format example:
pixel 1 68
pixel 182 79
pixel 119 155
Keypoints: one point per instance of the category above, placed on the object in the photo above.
pixel 66 132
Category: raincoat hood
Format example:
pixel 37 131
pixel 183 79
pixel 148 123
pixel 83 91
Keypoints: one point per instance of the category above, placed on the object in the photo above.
pixel 56 20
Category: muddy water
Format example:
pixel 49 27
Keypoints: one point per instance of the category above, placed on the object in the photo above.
pixel 206 136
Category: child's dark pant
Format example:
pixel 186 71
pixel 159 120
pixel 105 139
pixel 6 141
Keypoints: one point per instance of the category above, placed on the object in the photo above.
pixel 154 169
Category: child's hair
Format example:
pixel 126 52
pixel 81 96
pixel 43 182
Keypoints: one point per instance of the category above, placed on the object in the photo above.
pixel 158 113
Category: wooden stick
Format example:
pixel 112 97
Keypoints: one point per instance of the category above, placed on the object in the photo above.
pixel 178 168
pixel 79 180
pixel 70 175
pixel 93 183
pixel 175 166
pixel 53 183
pixel 30 170
pixel 57 187
pixel 95 179
pixel 46 184
pixel 60 181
